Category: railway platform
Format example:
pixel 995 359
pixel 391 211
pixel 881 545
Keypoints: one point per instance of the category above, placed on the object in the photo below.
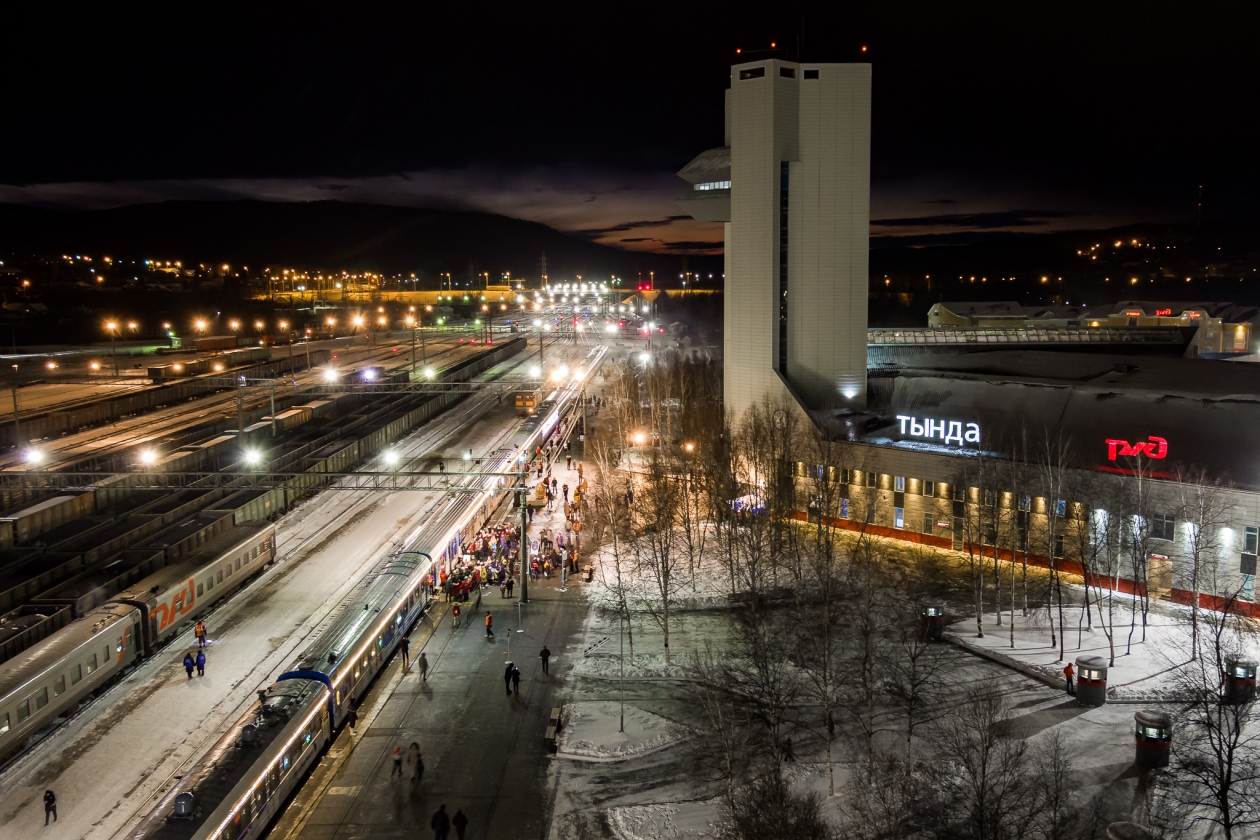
pixel 484 751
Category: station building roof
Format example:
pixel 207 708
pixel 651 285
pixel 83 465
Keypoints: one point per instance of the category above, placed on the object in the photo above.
pixel 1115 411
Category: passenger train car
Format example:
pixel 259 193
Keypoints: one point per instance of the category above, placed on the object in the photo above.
pixel 237 788
pixel 53 676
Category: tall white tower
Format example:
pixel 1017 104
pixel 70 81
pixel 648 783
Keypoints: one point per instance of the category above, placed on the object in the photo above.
pixel 793 185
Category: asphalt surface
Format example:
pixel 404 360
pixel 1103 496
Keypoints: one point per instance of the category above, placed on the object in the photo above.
pixel 483 750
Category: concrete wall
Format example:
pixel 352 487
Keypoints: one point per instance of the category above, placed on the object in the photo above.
pixel 821 127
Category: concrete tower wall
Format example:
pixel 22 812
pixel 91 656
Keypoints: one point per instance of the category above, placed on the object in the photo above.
pixel 821 129
pixel 828 237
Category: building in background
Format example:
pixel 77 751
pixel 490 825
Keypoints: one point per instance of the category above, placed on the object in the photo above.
pixel 792 185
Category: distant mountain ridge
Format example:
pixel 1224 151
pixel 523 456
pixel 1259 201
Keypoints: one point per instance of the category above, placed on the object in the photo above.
pixel 325 235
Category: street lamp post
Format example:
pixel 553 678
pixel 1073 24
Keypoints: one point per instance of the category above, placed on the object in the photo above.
pixel 112 327
pixel 284 325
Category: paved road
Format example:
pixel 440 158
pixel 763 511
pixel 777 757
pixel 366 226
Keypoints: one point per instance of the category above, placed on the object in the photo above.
pixel 483 750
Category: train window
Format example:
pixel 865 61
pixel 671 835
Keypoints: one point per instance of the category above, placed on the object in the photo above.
pixel 307 739
pixel 118 645
pixel 41 698
pixel 229 570
pixel 91 663
pixel 4 723
pixel 220 576
pixel 76 674
pixel 23 710
pixel 60 685
pixel 285 762
pixel 200 589
pixel 238 564
pixel 338 698
pixel 210 583
pixel 105 657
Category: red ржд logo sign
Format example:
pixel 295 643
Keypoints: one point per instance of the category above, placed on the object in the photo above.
pixel 1152 447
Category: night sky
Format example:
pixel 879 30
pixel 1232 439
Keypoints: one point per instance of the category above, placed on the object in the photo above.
pixel 988 117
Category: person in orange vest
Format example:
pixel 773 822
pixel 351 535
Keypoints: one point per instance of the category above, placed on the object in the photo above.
pixel 1070 672
pixel 200 632
pixel 489 625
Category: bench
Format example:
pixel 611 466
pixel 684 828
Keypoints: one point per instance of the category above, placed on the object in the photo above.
pixel 554 726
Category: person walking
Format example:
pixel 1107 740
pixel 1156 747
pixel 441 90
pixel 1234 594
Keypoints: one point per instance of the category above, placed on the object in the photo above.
pixel 352 714
pixel 545 656
pixel 441 823
pixel 565 491
pixel 489 625
pixel 398 760
pixel 405 647
pixel 461 824
pixel 201 663
pixel 416 762
pixel 507 678
pixel 50 806
pixel 1069 672
pixel 189 664
pixel 568 462
pixel 511 584
pixel 424 667
pixel 200 632
pixel 516 680
pixel 455 616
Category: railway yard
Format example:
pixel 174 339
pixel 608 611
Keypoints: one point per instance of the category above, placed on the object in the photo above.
pixel 134 507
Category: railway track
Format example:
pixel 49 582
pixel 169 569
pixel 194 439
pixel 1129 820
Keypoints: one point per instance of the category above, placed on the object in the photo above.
pixel 93 448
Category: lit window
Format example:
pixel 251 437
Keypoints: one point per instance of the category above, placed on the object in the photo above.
pixel 899 518
pixel 900 483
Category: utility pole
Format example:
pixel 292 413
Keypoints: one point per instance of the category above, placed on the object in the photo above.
pixel 240 410
pixel 273 409
pixel 308 350
pixel 17 426
pixel 523 548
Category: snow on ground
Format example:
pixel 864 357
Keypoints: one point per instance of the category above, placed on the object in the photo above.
pixel 692 820
pixel 592 732
pixel 1142 672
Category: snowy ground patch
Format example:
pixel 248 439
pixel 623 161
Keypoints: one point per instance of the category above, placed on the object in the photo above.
pixel 1142 672
pixel 592 732
pixel 664 820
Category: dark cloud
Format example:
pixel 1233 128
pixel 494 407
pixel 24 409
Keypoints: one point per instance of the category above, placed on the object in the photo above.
pixel 625 227
pixel 982 221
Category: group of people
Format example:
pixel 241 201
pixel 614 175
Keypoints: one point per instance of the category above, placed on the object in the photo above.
pixel 489 559
pixel 197 660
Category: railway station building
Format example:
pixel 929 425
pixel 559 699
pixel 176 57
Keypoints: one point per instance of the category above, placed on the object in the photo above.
pixel 1083 440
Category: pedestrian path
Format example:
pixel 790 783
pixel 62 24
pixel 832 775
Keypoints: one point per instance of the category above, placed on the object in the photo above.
pixel 483 750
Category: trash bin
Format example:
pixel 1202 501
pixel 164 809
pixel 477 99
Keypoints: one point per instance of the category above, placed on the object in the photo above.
pixel 1240 679
pixel 1153 737
pixel 1091 680
pixel 932 618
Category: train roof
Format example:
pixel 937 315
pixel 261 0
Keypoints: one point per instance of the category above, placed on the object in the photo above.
pixel 361 610
pixel 40 656
pixel 172 575
pixel 217 773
